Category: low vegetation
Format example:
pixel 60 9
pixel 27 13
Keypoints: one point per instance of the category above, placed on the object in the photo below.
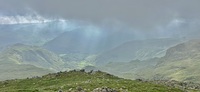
pixel 81 81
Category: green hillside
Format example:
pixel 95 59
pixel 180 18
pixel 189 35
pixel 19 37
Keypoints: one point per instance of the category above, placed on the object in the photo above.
pixel 14 71
pixel 80 81
pixel 181 62
pixel 32 55
pixel 21 61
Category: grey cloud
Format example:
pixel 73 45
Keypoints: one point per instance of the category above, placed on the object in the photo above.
pixel 145 14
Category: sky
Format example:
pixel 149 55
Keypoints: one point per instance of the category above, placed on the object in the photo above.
pixel 140 11
pixel 144 15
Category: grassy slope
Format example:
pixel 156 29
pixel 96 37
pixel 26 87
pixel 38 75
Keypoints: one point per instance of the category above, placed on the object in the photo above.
pixel 33 55
pixel 181 62
pixel 13 71
pixel 72 80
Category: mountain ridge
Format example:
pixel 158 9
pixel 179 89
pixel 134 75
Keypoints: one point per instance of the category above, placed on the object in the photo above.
pixel 139 49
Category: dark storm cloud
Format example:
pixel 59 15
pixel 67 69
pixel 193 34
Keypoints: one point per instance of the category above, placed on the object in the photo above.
pixel 138 13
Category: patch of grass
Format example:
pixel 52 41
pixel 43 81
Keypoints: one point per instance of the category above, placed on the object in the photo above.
pixel 87 81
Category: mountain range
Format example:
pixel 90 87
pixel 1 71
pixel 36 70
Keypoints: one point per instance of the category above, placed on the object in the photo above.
pixel 161 58
pixel 138 49
pixel 181 62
